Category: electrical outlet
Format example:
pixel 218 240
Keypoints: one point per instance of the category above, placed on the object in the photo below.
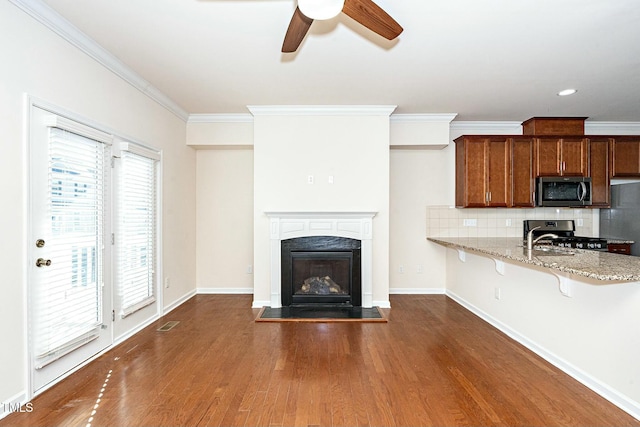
pixel 419 269
pixel 401 269
pixel 310 179
pixel 249 269
pixel 167 282
pixel 496 293
pixel 330 179
pixel 579 222
pixel 471 222
pixel 507 222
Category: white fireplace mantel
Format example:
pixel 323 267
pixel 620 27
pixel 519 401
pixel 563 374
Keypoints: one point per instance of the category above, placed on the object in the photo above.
pixel 354 225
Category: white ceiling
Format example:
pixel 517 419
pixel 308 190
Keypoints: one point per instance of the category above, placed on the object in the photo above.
pixel 485 60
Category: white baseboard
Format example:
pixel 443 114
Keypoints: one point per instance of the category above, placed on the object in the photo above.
pixel 178 302
pixel 260 304
pixel 381 304
pixel 417 291
pixel 14 404
pixel 623 402
pixel 232 291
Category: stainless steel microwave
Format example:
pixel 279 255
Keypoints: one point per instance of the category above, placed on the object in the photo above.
pixel 563 191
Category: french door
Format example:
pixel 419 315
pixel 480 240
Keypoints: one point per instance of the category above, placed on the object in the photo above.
pixel 93 251
pixel 69 301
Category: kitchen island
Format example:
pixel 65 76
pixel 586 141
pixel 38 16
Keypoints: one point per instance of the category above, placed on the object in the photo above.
pixel 598 265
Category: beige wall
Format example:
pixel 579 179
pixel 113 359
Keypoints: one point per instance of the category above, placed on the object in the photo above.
pixel 420 174
pixel 224 244
pixel 37 62
pixel 419 177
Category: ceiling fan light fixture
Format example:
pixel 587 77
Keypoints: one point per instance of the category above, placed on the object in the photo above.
pixel 320 9
pixel 567 92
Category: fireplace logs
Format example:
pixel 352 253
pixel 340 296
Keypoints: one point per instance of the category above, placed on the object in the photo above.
pixel 320 286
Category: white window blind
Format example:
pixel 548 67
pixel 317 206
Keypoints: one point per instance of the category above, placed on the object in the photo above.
pixel 136 236
pixel 69 296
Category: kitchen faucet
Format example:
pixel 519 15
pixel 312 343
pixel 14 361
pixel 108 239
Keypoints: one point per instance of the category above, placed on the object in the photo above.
pixel 531 241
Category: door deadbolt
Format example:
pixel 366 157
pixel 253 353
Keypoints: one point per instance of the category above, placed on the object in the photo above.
pixel 39 243
pixel 41 262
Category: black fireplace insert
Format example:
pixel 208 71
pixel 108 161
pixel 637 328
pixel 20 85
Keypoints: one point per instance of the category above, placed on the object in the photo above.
pixel 322 270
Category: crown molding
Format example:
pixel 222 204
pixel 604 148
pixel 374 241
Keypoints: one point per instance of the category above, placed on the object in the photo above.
pixel 515 128
pixel 220 118
pixel 423 118
pixel 497 127
pixel 612 128
pixel 321 110
pixel 248 118
pixel 59 25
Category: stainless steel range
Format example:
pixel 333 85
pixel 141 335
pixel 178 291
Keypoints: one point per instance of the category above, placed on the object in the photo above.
pixel 565 230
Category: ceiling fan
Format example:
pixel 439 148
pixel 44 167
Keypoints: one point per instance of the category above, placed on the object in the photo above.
pixel 366 12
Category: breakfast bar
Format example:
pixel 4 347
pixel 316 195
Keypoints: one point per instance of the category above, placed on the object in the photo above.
pixel 599 265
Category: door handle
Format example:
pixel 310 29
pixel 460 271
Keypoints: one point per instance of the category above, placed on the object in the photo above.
pixel 582 191
pixel 41 262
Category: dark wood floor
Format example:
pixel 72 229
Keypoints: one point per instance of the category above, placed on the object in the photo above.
pixel 433 363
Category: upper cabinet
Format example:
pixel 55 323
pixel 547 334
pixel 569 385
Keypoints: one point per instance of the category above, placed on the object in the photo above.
pixel 482 172
pixel 561 156
pixel 501 171
pixel 494 171
pixel 599 171
pixel 625 157
pixel 522 178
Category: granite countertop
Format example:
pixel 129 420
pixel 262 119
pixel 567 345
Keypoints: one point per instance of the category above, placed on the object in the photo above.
pixel 596 265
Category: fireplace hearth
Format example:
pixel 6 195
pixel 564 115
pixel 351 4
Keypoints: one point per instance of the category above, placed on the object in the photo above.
pixel 321 270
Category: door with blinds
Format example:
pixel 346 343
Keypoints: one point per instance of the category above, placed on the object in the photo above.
pixel 93 242
pixel 69 301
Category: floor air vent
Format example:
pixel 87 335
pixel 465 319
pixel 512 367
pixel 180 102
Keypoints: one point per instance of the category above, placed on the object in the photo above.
pixel 168 326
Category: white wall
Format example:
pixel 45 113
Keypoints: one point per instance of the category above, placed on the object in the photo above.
pixel 352 148
pixel 38 62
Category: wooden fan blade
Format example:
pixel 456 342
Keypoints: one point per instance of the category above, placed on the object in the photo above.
pixel 298 28
pixel 369 14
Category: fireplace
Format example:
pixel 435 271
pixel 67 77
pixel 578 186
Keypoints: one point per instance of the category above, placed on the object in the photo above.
pixel 291 225
pixel 321 270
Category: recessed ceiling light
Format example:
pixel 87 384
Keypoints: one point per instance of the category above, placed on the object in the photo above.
pixel 567 92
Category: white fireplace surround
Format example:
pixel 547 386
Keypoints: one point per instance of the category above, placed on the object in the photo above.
pixel 354 225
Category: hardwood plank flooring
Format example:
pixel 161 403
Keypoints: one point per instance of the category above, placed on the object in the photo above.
pixel 433 364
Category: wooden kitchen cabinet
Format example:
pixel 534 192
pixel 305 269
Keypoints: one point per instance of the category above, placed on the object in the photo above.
pixel 483 165
pixel 522 178
pixel 599 171
pixel 619 248
pixel 625 157
pixel 561 156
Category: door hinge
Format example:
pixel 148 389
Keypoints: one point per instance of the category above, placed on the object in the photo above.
pixel 113 162
pixel 113 238
pixel 113 315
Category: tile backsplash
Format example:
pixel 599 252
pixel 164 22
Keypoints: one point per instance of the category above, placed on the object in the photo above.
pixel 447 221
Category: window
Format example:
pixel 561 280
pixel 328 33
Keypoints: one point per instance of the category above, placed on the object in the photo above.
pixel 136 236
